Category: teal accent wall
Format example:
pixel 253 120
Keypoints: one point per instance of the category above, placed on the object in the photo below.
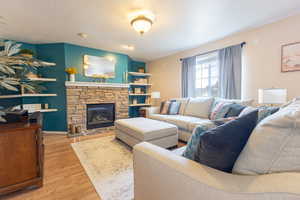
pixel 69 55
pixel 54 121
pixel 74 58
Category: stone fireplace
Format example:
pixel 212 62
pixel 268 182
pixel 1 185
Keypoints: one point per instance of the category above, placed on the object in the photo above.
pixel 95 106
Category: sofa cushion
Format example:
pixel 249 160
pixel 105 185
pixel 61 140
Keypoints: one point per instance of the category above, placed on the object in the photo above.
pixel 199 107
pixel 220 147
pixel 274 145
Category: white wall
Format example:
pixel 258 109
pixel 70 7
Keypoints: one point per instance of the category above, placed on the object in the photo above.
pixel 261 61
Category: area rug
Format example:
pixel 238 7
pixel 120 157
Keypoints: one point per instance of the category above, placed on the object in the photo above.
pixel 109 165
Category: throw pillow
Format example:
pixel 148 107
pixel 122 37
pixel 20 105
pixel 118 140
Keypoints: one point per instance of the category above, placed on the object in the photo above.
pixel 174 108
pixel 192 144
pixel 164 110
pixel 263 112
pixel 220 110
pixel 220 147
pixel 183 102
pixel 199 107
pixel 247 102
pixel 235 110
pixel 274 145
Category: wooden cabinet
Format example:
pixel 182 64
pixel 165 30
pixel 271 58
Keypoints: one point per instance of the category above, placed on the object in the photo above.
pixel 21 157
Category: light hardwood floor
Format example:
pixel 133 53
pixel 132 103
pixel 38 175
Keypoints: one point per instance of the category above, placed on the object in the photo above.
pixel 64 177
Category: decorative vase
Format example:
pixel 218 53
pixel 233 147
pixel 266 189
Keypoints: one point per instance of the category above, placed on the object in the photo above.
pixel 72 77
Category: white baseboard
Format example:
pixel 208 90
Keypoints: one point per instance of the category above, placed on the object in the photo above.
pixel 55 132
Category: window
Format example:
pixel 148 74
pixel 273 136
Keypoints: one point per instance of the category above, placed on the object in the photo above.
pixel 207 75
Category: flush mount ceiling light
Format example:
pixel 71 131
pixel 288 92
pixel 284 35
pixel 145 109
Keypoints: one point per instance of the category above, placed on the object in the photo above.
pixel 142 21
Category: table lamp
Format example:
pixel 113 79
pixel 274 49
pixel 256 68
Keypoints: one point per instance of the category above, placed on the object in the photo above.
pixel 272 96
pixel 155 96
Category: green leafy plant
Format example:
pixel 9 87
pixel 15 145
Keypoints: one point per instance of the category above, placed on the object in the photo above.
pixel 14 68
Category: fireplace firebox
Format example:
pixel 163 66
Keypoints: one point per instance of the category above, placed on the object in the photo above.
pixel 100 115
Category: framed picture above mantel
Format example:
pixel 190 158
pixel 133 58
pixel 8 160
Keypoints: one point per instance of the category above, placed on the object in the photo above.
pixel 290 57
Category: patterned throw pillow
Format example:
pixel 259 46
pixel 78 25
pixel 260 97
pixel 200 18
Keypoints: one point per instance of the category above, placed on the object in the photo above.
pixel 192 144
pixel 263 112
pixel 220 110
pixel 164 109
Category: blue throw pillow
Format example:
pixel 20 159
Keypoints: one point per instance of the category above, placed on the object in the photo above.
pixel 220 147
pixel 235 110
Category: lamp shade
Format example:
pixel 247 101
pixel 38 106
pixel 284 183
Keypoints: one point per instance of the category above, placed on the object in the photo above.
pixel 272 96
pixel 155 95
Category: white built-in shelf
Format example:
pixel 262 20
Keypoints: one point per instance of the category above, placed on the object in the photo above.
pixel 43 79
pixel 139 74
pixel 46 110
pixel 26 95
pixel 140 84
pixel 132 94
pixel 139 104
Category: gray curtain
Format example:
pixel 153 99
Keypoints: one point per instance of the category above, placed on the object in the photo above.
pixel 188 79
pixel 230 60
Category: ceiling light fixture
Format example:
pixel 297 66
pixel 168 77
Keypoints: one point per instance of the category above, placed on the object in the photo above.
pixel 141 24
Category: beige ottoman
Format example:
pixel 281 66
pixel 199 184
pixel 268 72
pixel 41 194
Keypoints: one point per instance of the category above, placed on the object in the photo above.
pixel 135 130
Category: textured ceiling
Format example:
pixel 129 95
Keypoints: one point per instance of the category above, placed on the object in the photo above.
pixel 179 24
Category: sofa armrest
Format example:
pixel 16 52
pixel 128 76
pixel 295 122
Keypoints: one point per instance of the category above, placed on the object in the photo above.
pixel 160 174
pixel 151 110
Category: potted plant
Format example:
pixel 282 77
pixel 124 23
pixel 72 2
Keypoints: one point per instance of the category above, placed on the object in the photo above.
pixel 71 71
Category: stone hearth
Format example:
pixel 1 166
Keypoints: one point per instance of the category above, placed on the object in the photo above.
pixel 79 95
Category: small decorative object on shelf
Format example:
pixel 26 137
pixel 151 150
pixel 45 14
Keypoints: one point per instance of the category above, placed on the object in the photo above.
pixel 137 90
pixel 71 71
pixel 141 70
pixel 134 101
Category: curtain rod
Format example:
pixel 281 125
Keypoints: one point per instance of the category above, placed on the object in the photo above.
pixel 242 44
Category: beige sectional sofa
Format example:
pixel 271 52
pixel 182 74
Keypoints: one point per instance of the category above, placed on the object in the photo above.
pixel 193 112
pixel 267 169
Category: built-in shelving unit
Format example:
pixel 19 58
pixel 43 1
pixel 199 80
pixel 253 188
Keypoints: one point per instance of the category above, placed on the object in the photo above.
pixel 26 95
pixel 142 97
